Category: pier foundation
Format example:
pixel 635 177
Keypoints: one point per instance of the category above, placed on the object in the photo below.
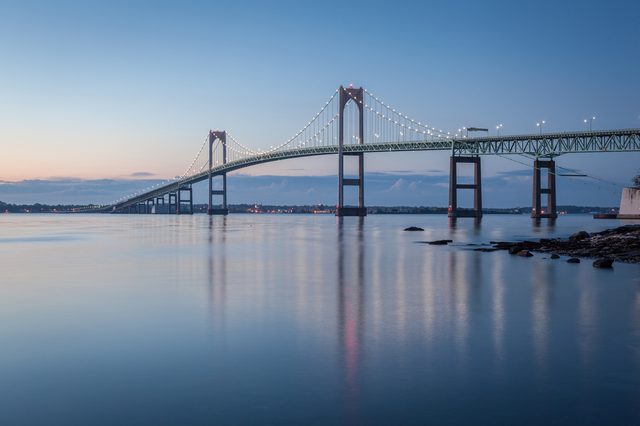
pixel 185 200
pixel 173 203
pixel 538 211
pixel 476 186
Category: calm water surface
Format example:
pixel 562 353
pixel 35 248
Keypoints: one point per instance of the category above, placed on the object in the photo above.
pixel 304 320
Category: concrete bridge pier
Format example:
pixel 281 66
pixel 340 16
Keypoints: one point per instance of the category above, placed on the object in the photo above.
pixel 537 210
pixel 160 205
pixel 183 201
pixel 222 209
pixel 343 210
pixel 476 186
pixel 357 96
pixel 173 203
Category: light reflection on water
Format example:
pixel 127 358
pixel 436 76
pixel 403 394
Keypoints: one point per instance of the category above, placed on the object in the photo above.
pixel 308 320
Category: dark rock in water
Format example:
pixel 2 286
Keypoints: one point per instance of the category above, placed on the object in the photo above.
pixel 486 249
pixel 502 245
pixel 621 244
pixel 439 242
pixel 515 249
pixel 603 263
pixel 578 236
pixel 573 260
pixel 413 228
pixel 525 253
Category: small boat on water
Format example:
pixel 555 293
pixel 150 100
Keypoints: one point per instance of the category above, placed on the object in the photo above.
pixel 605 215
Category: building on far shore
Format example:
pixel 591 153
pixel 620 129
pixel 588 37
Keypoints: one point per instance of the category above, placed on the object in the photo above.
pixel 630 204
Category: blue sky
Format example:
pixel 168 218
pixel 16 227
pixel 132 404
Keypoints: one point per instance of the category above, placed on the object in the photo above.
pixel 105 90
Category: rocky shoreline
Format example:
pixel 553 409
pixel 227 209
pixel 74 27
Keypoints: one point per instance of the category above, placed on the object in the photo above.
pixel 621 244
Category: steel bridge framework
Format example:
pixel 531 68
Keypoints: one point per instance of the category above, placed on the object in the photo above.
pixel 548 145
pixel 354 122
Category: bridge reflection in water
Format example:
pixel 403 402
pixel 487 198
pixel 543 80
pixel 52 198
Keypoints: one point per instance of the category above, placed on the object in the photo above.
pixel 256 319
pixel 452 305
pixel 354 307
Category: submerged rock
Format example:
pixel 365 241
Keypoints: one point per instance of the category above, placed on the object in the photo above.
pixel 603 262
pixel 500 243
pixel 515 249
pixel 413 228
pixel 439 242
pixel 573 260
pixel 555 256
pixel 525 253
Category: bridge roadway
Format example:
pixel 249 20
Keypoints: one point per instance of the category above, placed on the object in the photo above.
pixel 547 145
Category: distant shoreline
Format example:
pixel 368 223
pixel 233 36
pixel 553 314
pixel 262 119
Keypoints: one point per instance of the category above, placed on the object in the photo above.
pixel 309 209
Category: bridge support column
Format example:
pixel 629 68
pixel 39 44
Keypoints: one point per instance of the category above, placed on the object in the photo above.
pixel 173 203
pixel 357 96
pixel 222 209
pixel 537 210
pixel 183 202
pixel 160 202
pixel 476 186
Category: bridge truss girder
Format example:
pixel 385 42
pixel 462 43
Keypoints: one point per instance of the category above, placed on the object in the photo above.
pixel 551 145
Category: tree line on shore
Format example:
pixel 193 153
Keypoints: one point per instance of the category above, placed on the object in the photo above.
pixel 317 209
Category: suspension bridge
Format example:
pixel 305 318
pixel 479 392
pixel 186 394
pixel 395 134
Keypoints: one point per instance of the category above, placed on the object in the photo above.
pixel 354 122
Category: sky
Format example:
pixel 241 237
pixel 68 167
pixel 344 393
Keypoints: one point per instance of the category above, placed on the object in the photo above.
pixel 126 91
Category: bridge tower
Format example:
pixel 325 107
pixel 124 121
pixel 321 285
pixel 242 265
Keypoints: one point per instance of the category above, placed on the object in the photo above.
pixel 476 186
pixel 357 96
pixel 223 209
pixel 537 210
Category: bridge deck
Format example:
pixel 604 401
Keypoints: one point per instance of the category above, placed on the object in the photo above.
pixel 541 145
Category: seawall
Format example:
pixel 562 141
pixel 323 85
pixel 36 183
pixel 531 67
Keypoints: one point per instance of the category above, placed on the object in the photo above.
pixel 630 204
